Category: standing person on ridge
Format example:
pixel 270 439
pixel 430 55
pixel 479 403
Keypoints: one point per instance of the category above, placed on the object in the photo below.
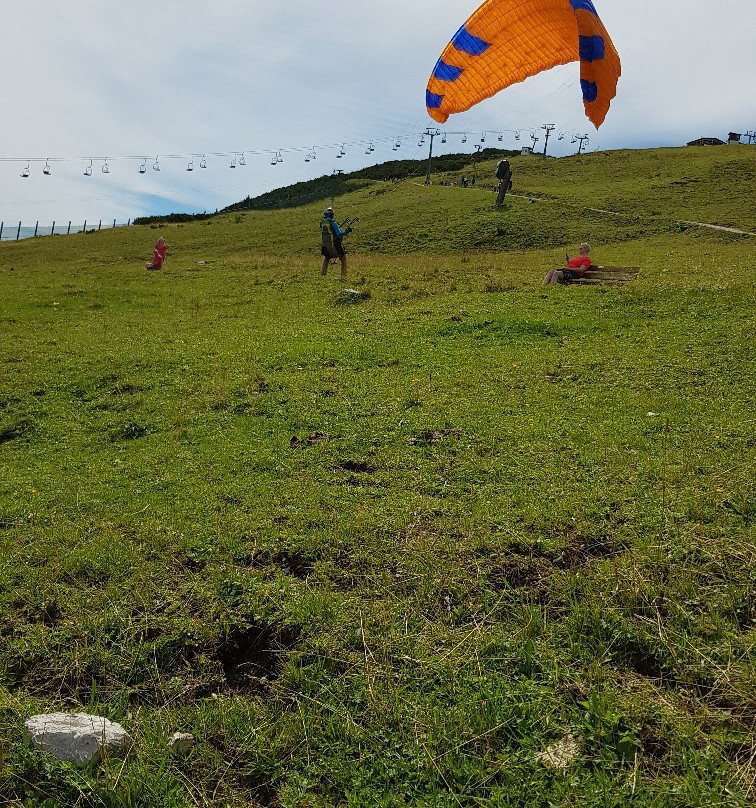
pixel 574 269
pixel 331 238
pixel 158 256
pixel 504 175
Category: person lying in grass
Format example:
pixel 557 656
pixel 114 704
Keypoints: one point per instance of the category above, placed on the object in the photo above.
pixel 574 269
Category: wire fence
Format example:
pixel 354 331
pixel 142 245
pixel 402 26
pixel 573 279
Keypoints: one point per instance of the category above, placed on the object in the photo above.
pixel 14 231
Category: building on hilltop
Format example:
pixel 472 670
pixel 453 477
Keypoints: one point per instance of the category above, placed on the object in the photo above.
pixel 706 141
pixel 734 137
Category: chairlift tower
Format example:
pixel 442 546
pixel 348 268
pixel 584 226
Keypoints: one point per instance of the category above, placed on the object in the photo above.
pixel 548 128
pixel 431 133
pixel 751 135
pixel 478 150
pixel 582 139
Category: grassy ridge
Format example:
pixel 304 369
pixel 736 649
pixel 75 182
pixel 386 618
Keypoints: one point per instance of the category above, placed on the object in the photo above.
pixel 386 554
pixel 605 197
pixel 330 187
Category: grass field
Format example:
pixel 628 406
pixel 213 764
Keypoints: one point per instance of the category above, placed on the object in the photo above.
pixel 387 554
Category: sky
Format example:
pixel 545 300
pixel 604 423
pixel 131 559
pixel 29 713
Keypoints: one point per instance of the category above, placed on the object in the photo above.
pixel 157 82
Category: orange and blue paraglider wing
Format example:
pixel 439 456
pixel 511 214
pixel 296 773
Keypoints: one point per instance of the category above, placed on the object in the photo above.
pixel 507 41
pixel 600 66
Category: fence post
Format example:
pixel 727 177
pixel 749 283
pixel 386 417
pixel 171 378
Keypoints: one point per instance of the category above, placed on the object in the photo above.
pixel 84 230
pixel 114 221
pixel 2 224
pixel 18 232
pixel 99 226
pixel 128 224
pixel 52 232
pixel 69 229
pixel 36 227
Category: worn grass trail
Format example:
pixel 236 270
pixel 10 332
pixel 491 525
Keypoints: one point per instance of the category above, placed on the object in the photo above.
pixel 385 554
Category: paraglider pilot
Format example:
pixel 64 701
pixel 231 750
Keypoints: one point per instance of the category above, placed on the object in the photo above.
pixel 331 238
pixel 504 175
pixel 575 268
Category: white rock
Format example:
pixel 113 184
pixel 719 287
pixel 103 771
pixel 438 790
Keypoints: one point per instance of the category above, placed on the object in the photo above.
pixel 347 296
pixel 560 755
pixel 76 737
pixel 181 742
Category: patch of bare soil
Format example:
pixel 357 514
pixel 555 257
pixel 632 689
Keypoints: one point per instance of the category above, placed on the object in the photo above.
pixel 253 656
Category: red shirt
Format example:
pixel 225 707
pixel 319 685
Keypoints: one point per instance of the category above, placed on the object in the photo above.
pixel 159 255
pixel 579 263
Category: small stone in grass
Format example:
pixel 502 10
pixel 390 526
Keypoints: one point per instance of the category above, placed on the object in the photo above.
pixel 76 737
pixel 181 743
pixel 560 755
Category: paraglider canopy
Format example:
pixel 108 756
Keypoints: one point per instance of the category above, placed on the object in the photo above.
pixel 507 41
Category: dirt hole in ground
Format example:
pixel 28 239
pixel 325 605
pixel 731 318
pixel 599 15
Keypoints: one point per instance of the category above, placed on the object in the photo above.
pixel 314 437
pixel 42 678
pixel 357 466
pixel 522 572
pixel 128 431
pixel 193 563
pixel 253 656
pixel 24 428
pixel 47 613
pixel 642 656
pixel 581 549
pixel 291 562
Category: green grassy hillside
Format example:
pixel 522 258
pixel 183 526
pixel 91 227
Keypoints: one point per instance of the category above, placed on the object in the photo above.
pixel 331 186
pixel 605 198
pixel 388 554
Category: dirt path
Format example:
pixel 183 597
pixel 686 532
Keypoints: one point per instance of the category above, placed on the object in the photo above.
pixel 624 215
pixel 719 227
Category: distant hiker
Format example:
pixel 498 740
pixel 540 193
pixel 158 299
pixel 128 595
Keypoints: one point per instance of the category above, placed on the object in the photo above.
pixel 574 269
pixel 463 182
pixel 158 256
pixel 504 175
pixel 331 238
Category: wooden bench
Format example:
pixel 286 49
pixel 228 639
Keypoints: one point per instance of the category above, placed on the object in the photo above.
pixel 607 276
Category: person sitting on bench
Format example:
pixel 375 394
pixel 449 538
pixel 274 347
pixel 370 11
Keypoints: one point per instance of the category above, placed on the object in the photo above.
pixel 574 269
